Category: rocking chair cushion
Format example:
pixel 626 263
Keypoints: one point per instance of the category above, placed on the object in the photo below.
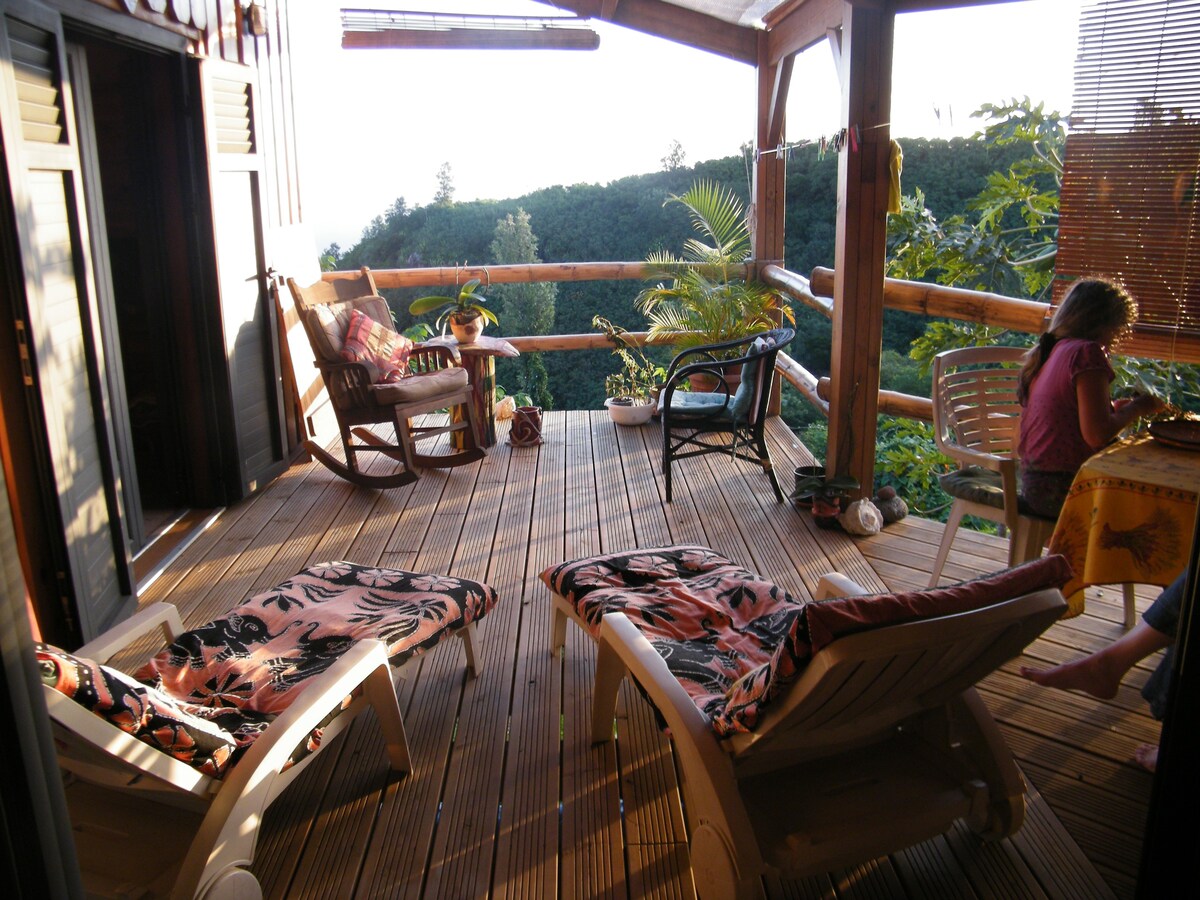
pixel 327 323
pixel 420 386
pixel 384 352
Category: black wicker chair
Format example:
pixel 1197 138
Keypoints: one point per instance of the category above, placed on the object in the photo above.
pixel 691 419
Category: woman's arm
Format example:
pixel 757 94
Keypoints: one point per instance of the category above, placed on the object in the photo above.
pixel 1099 420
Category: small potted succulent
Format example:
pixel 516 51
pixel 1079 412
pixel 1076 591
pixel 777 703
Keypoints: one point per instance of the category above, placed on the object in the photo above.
pixel 632 393
pixel 466 313
pixel 826 495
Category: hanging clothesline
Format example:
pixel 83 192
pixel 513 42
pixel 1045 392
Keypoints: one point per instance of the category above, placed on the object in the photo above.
pixel 840 140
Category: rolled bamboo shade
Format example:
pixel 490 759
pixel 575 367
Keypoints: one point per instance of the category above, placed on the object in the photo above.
pixel 1130 206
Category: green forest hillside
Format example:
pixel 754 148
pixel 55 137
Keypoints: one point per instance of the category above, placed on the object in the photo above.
pixel 626 220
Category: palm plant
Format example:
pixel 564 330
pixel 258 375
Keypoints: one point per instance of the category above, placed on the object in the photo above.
pixel 708 298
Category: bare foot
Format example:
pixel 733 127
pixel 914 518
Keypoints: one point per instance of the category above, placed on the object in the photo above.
pixel 1146 756
pixel 1089 674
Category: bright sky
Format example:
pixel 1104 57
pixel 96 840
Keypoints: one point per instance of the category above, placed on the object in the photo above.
pixel 510 122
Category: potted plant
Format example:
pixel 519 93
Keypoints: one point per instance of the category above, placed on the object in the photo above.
pixel 826 495
pixel 465 313
pixel 708 299
pixel 632 393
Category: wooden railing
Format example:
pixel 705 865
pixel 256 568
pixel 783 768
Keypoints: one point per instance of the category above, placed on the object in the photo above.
pixel 816 293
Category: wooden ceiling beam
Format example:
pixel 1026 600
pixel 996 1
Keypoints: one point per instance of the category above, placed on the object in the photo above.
pixel 665 20
pixel 472 39
pixel 798 26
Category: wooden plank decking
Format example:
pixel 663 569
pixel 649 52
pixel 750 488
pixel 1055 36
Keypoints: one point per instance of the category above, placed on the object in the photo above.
pixel 510 799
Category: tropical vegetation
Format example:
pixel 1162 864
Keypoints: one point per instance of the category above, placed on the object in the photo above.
pixel 708 299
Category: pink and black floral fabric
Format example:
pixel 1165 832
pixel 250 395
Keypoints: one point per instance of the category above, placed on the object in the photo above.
pixel 239 672
pixel 734 640
pixel 715 623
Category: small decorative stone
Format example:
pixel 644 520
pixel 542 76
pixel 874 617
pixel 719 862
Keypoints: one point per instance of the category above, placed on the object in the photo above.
pixel 890 504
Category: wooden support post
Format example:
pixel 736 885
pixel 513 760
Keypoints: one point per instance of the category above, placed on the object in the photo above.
pixel 861 244
pixel 770 169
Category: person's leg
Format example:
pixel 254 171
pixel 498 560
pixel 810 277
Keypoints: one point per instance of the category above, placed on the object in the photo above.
pixel 1100 673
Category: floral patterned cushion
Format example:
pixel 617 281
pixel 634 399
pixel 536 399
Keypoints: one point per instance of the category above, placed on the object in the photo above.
pixel 239 672
pixel 258 655
pixel 734 640
pixel 184 731
pixel 384 352
pixel 728 636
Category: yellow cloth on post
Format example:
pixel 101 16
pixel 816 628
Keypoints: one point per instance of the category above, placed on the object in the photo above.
pixel 896 165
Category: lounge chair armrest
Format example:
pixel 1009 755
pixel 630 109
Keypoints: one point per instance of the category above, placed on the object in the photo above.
pixel 157 615
pixel 835 584
pixel 224 840
pixel 715 799
pixel 641 660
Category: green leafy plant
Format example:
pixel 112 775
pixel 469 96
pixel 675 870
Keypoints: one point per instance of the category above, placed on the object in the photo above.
pixel 640 377
pixel 708 298
pixel 418 332
pixel 826 494
pixel 461 309
pixel 520 398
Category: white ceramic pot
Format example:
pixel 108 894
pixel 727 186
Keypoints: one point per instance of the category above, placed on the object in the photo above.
pixel 633 414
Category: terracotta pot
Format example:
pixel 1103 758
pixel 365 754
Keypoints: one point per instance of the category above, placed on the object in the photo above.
pixel 526 430
pixel 467 331
pixel 630 413
pixel 732 378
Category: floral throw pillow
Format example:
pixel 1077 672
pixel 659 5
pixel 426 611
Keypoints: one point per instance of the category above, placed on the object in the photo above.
pixel 384 352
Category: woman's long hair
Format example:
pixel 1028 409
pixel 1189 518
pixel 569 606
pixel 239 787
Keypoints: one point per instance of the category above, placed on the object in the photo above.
pixel 1091 309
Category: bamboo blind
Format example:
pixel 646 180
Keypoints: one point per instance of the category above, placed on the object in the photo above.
pixel 1129 204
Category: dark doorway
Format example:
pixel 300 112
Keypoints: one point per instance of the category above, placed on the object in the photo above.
pixel 134 136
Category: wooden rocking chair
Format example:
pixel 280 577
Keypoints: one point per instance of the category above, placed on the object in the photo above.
pixel 434 380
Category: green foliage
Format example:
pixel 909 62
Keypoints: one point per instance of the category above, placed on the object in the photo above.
pixel 907 459
pixel 444 196
pixel 1009 244
pixel 1179 383
pixel 467 304
pixel 639 377
pixel 418 332
pixel 527 309
pixel 675 158
pixel 707 299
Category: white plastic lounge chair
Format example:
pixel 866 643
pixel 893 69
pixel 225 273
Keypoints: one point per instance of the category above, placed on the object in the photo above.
pixel 168 774
pixel 810 736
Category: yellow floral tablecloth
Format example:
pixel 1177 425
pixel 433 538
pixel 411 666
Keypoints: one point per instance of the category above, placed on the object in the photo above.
pixel 1129 517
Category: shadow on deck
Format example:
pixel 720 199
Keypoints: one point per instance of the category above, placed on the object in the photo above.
pixel 510 799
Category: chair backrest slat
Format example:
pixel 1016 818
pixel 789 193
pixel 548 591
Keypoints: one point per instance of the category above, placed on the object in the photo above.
pixel 975 399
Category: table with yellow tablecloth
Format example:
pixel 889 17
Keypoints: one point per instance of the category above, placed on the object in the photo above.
pixel 1129 516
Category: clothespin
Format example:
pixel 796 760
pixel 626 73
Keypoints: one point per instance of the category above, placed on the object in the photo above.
pixel 854 139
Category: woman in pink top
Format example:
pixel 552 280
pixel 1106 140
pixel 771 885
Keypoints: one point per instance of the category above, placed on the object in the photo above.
pixel 1064 389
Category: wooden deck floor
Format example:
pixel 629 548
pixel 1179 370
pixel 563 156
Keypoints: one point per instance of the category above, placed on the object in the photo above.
pixel 509 799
